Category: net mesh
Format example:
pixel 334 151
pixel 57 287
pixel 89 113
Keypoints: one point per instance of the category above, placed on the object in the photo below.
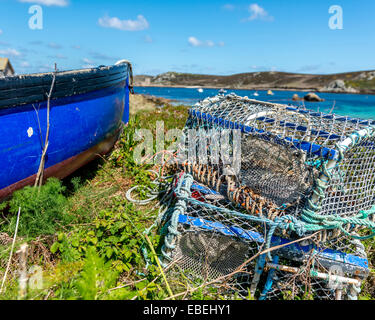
pixel 351 188
pixel 275 173
pixel 283 152
pixel 300 174
pixel 215 243
pixel 207 247
pixel 298 286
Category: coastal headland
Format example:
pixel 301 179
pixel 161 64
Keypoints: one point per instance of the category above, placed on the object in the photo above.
pixel 362 82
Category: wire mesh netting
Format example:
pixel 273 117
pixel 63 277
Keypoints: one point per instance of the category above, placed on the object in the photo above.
pixel 280 199
pixel 205 245
pixel 210 241
pixel 284 155
pixel 351 188
pixel 297 283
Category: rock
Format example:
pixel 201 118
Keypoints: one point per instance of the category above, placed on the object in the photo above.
pixel 339 86
pixel 164 78
pixel 361 76
pixel 312 97
pixel 296 97
pixel 366 76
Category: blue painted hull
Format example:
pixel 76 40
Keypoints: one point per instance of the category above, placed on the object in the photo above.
pixel 80 127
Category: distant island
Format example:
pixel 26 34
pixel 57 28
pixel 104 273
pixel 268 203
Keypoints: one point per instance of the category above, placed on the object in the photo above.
pixel 350 82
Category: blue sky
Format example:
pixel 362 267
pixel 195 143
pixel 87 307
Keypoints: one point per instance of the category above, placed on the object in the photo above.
pixel 211 37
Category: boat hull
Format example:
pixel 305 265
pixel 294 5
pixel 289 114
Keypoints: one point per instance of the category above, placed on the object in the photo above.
pixel 82 126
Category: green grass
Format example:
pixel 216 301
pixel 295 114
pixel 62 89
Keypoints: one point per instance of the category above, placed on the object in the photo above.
pixel 173 117
pixel 361 84
pixel 83 232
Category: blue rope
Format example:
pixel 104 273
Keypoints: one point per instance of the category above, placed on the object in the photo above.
pixel 310 222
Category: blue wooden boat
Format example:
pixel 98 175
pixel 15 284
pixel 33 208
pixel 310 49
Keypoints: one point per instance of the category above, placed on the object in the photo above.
pixel 87 110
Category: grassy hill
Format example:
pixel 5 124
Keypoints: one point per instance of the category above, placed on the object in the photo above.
pixel 350 82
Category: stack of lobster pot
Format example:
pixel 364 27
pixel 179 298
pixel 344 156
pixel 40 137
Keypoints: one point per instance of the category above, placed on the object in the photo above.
pixel 271 201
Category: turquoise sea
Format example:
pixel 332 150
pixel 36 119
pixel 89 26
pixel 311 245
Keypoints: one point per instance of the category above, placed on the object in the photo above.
pixel 354 105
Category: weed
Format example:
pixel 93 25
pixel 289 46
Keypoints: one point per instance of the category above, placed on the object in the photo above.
pixel 41 212
pixel 96 276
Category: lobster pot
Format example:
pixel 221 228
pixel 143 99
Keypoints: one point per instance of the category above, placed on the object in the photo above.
pixel 208 243
pixel 275 160
pixel 293 286
pixel 209 239
pixel 312 280
pixel 307 271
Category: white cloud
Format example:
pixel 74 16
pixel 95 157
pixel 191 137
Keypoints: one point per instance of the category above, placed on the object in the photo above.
pixel 36 43
pixel 58 56
pixel 126 25
pixel 263 68
pixel 45 68
pixel 88 66
pixel 25 64
pixel 102 56
pixel 9 52
pixel 54 45
pixel 58 3
pixel 257 12
pixel 228 7
pixel 1 31
pixel 193 41
pixel 148 39
pixel 87 61
pixel 310 67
